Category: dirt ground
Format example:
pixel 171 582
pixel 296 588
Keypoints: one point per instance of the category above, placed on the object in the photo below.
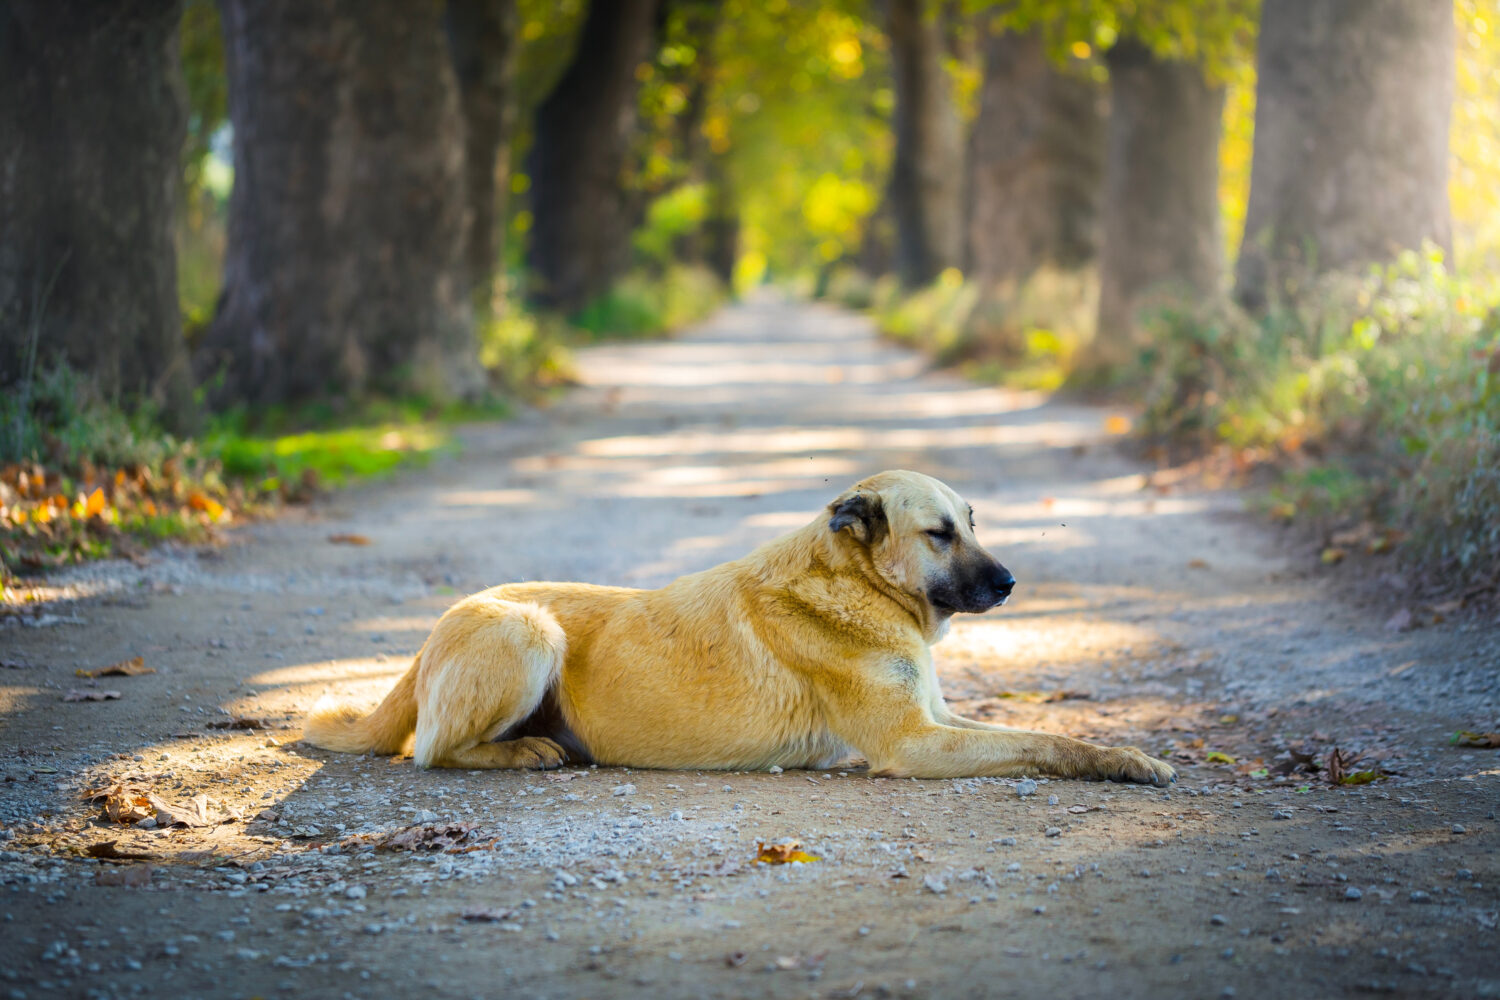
pixel 1149 610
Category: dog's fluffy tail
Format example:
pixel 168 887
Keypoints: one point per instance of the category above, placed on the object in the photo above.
pixel 347 729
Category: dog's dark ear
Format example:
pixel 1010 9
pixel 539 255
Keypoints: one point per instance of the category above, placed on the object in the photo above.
pixel 861 513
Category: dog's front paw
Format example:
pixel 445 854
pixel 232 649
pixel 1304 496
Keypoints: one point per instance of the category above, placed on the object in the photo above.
pixel 1131 764
pixel 537 753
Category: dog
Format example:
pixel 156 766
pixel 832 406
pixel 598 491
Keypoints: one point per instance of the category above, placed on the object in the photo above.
pixel 811 648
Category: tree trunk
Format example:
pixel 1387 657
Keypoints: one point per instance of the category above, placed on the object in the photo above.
pixel 345 271
pixel 92 118
pixel 580 235
pixel 927 177
pixel 1037 161
pixel 1351 137
pixel 483 43
pixel 1161 201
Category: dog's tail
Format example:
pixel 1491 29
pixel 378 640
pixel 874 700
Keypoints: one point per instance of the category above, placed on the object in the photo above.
pixel 387 730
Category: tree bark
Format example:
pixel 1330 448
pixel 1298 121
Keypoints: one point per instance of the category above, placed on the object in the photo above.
pixel 927 177
pixel 345 271
pixel 1351 137
pixel 1160 209
pixel 483 43
pixel 1037 162
pixel 580 235
pixel 92 118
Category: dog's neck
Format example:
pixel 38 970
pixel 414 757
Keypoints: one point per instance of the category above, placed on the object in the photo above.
pixel 845 556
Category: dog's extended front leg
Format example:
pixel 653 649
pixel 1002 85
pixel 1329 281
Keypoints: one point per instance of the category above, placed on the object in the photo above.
pixel 886 720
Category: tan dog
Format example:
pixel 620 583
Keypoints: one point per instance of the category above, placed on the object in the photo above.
pixel 812 646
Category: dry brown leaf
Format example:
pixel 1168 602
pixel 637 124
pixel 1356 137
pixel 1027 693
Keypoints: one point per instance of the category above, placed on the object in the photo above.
pixel 783 854
pixel 1332 555
pixel 486 915
pixel 108 850
pixel 239 722
pixel 133 667
pixel 130 876
pixel 1469 738
pixel 194 812
pixel 77 695
pixel 563 775
pixel 1197 564
pixel 348 538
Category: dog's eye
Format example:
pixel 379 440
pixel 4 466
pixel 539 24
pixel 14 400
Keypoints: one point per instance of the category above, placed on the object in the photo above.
pixel 944 535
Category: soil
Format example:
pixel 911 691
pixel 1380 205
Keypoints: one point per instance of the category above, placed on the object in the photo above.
pixel 1150 610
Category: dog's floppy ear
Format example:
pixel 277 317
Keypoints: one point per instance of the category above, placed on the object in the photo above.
pixel 861 513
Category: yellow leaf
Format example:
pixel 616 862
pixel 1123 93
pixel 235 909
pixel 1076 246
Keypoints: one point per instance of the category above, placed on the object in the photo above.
pixel 95 503
pixel 1219 758
pixel 1361 778
pixel 1116 424
pixel 1332 555
pixel 783 854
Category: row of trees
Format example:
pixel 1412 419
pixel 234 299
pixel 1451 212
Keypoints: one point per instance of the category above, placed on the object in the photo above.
pixel 1065 170
pixel 374 143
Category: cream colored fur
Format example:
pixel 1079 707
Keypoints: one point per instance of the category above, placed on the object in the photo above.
pixel 812 646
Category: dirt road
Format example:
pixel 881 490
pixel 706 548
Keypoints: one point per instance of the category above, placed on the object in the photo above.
pixel 1147 611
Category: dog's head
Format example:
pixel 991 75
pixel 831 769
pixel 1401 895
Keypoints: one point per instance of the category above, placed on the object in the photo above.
pixel 920 536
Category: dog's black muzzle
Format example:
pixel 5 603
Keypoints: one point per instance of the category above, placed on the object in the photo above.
pixel 975 589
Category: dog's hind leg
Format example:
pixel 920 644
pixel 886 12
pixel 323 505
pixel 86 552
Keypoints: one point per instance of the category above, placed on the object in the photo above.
pixel 489 664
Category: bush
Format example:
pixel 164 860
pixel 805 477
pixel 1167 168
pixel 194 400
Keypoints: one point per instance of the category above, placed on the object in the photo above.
pixel 1378 395
pixel 642 305
pixel 1025 335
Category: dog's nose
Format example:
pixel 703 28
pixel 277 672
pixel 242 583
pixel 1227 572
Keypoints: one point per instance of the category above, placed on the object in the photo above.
pixel 1002 580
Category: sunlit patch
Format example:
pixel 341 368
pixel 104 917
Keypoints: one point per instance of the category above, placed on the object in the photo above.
pixel 487 498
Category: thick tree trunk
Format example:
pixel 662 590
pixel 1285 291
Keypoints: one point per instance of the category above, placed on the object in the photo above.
pixel 580 235
pixel 927 179
pixel 1037 162
pixel 345 271
pixel 1160 209
pixel 483 42
pixel 1351 137
pixel 92 118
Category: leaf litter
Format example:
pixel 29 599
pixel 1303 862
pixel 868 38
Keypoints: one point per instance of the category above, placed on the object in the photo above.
pixel 133 667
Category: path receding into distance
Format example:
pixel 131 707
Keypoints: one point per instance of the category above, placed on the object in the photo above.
pixel 1148 610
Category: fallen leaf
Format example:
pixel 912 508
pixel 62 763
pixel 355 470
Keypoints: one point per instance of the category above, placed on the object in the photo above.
pixel 77 695
pixel 735 959
pixel 1043 697
pixel 563 775
pixel 486 915
pixel 1332 555
pixel 95 503
pixel 782 854
pixel 109 851
pixel 131 876
pixel 1217 757
pixel 194 812
pixel 1468 738
pixel 1361 778
pixel 1197 564
pixel 1284 511
pixel 1116 424
pixel 239 722
pixel 133 667
pixel 346 538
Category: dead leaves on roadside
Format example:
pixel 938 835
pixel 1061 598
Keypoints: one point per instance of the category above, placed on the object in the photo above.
pixel 131 804
pixel 1469 738
pixel 349 538
pixel 109 850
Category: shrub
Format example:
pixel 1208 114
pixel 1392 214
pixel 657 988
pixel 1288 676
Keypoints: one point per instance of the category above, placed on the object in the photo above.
pixel 1378 395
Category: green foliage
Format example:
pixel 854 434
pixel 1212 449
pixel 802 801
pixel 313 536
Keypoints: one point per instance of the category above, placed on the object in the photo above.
pixel 333 457
pixel 641 305
pixel 1379 393
pixel 678 213
pixel 1026 337
pixel 202 50
pixel 60 418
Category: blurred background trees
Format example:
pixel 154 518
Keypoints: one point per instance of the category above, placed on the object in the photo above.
pixel 260 207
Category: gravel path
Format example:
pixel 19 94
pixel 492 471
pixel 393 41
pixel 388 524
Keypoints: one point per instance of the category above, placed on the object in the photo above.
pixel 1148 611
